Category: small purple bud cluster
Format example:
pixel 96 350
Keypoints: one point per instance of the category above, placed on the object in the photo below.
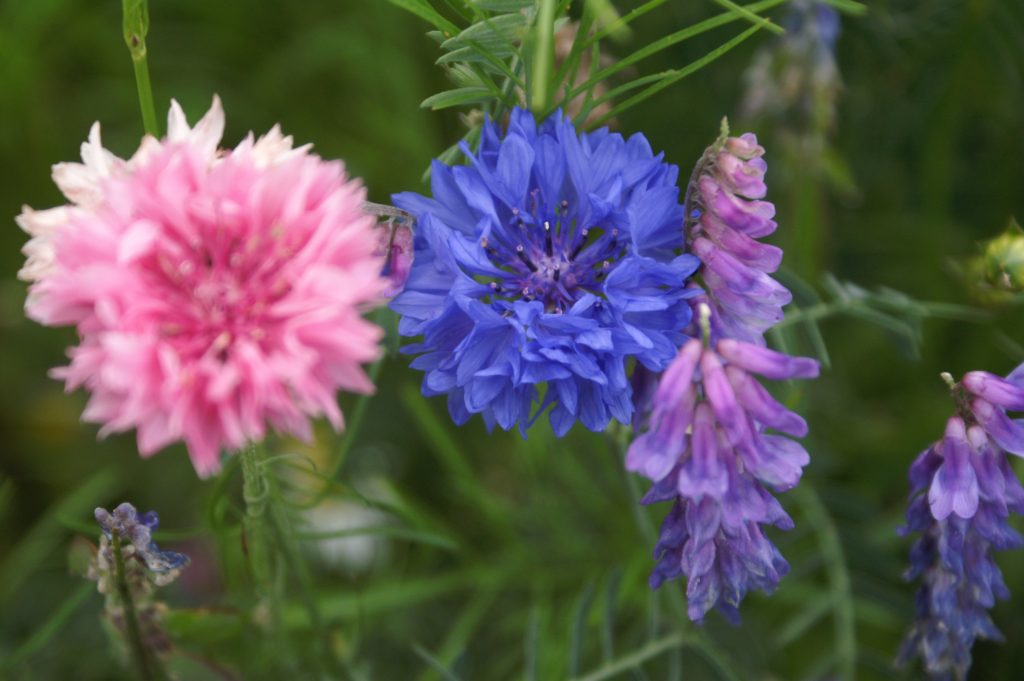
pixel 145 567
pixel 135 533
pixel 963 490
pixel 726 216
pixel 706 447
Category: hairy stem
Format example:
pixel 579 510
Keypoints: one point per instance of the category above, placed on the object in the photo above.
pixel 255 493
pixel 261 551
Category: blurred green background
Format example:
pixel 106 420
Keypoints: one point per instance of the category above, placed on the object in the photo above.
pixel 550 557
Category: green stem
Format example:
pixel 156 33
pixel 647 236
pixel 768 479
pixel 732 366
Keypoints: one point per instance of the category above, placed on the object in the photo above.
pixel 136 26
pixel 544 56
pixel 149 668
pixel 262 552
pixel 255 492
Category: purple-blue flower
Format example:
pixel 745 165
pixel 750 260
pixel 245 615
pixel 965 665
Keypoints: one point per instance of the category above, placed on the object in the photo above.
pixel 708 448
pixel 795 78
pixel 541 269
pixel 136 530
pixel 963 490
pixel 727 215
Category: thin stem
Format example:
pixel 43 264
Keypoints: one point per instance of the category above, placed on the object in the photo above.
pixel 544 55
pixel 636 659
pixel 136 26
pixel 149 668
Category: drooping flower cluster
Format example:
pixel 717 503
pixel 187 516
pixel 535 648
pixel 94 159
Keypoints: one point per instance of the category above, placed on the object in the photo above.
pixel 551 260
pixel 726 216
pixel 214 292
pixel 707 449
pixel 963 491
pixel 795 78
pixel 144 567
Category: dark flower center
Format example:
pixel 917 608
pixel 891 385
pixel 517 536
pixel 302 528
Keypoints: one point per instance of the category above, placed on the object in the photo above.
pixel 550 257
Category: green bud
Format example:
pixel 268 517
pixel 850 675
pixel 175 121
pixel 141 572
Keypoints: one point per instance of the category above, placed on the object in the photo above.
pixel 135 26
pixel 1003 259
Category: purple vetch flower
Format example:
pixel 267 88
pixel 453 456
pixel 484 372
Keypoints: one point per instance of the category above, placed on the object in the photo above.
pixel 544 269
pixel 795 78
pixel 726 215
pixel 135 532
pixel 963 491
pixel 708 448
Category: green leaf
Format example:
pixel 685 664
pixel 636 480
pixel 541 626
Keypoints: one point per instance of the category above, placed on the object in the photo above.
pixel 845 647
pixel 435 664
pixel 44 634
pixel 498 34
pixel 424 10
pixel 409 534
pixel 670 40
pixel 47 535
pixel 849 6
pixel 456 97
pixel 579 628
pixel 531 645
pixel 753 17
pixel 503 5
pixel 459 633
pixel 804 620
pixel 635 659
pixel 203 628
pixel 608 620
pixel 670 77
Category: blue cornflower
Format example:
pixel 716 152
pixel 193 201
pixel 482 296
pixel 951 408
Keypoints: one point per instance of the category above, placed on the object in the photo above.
pixel 963 490
pixel 541 269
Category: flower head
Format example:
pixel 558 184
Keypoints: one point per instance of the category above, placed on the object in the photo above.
pixel 551 259
pixel 707 449
pixel 963 490
pixel 727 215
pixel 214 292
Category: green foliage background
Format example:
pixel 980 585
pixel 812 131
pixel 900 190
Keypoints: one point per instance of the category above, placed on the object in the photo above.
pixel 527 555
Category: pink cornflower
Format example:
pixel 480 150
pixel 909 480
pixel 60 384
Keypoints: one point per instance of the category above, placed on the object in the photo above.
pixel 214 291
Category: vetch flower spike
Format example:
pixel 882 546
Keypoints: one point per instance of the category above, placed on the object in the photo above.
pixel 963 490
pixel 214 292
pixel 543 267
pixel 726 215
pixel 127 567
pixel 707 448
